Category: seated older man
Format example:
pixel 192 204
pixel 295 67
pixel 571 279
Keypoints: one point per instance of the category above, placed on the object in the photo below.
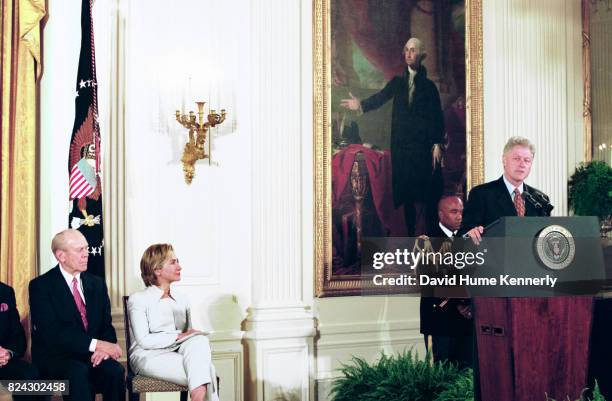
pixel 72 333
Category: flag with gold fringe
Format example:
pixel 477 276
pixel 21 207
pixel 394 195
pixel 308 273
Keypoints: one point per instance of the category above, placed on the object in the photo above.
pixel 85 187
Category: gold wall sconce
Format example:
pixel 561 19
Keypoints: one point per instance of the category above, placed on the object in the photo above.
pixel 195 146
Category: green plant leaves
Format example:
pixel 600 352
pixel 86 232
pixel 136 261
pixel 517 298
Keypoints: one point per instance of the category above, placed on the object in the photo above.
pixel 402 377
pixel 590 190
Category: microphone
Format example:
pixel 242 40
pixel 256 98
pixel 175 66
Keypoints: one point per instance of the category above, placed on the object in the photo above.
pixel 543 198
pixel 529 198
pixel 539 200
pixel 484 229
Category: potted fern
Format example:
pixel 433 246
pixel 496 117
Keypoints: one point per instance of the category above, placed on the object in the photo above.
pixel 590 193
pixel 404 377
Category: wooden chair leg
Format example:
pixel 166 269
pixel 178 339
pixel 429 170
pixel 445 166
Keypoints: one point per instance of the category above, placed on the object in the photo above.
pixel 183 395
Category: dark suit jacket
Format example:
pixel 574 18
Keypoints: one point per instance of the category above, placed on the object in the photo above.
pixel 415 127
pixel 442 320
pixel 488 202
pixel 12 336
pixel 57 329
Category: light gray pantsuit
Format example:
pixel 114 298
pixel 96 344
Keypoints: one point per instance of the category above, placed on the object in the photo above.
pixel 155 324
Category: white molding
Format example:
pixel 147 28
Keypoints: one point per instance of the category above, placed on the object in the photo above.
pixel 236 358
pixel 369 327
pixel 332 356
pixel 273 379
pixel 114 162
pixel 226 336
pixel 360 345
pixel 337 343
pixel 302 352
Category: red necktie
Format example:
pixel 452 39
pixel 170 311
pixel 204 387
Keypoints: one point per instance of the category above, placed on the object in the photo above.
pixel 519 203
pixel 79 302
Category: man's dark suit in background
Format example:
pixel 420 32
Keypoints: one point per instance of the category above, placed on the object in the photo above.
pixel 60 344
pixel 447 321
pixel 79 346
pixel 441 319
pixel 13 339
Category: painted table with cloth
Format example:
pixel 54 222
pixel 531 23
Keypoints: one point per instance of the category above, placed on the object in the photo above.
pixel 362 204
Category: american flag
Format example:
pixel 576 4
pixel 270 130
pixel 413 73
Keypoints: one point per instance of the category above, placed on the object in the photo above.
pixel 85 189
pixel 82 182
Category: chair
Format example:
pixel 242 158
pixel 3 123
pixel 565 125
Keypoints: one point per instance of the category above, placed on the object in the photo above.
pixel 137 384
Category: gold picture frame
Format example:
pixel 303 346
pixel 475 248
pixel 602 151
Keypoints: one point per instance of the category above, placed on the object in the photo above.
pixel 586 73
pixel 329 284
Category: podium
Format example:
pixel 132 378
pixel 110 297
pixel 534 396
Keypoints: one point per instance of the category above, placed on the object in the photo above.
pixel 528 346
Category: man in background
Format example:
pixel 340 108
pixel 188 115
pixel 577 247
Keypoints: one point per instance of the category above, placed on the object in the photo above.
pixel 72 333
pixel 13 342
pixel 446 323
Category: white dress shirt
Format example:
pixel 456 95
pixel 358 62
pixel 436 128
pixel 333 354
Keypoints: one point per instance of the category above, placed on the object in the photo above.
pixel 447 231
pixel 69 277
pixel 511 187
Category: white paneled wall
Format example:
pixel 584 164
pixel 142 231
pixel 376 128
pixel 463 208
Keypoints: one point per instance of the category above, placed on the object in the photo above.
pixel 363 327
pixel 533 87
pixel 204 57
pixel 243 230
pixel 176 55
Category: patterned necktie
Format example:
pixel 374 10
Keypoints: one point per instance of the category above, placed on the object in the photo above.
pixel 519 203
pixel 79 302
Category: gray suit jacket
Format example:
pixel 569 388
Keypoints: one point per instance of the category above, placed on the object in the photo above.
pixel 155 323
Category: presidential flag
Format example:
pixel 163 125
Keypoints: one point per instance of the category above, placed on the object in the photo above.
pixel 85 188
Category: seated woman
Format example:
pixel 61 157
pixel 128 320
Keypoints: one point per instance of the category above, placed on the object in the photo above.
pixel 165 346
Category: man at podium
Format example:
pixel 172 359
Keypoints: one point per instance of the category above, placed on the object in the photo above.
pixel 529 347
pixel 503 197
pixel 506 196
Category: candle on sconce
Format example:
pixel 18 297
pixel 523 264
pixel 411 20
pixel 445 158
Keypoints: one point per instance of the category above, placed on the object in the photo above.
pixel 209 99
pixel 189 94
pixel 183 100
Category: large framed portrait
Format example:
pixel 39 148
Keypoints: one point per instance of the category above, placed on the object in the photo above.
pixel 364 96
